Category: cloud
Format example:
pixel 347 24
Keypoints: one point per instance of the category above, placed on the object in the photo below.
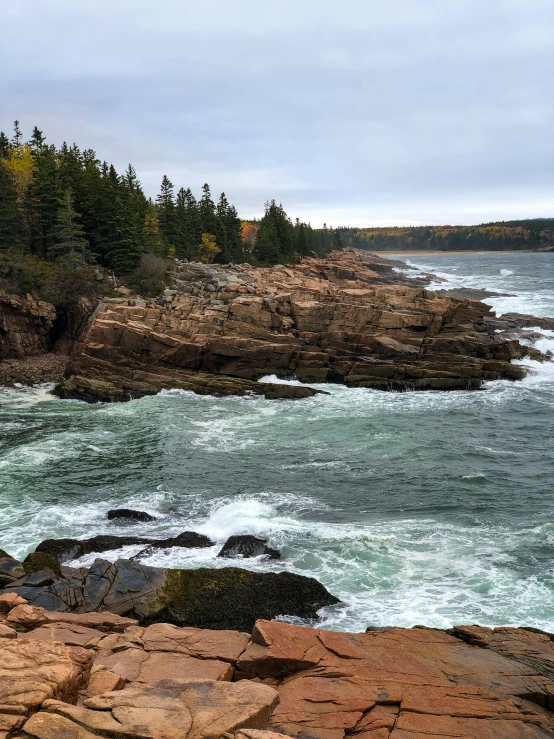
pixel 346 112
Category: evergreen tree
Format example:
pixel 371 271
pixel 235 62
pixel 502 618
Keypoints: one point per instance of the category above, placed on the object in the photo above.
pixel 12 231
pixel 275 238
pixel 17 135
pixel 206 211
pixel 4 145
pixel 126 248
pixel 166 212
pixel 229 232
pixel 152 242
pixel 71 246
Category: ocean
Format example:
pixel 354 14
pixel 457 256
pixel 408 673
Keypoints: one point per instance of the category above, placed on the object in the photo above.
pixel 415 508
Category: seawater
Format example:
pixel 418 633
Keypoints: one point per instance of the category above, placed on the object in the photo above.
pixel 417 508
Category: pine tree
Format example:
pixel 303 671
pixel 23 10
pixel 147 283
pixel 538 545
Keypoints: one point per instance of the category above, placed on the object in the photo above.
pixel 228 232
pixel 126 248
pixel 166 211
pixel 12 229
pixel 206 211
pixel 71 246
pixel 37 141
pixel 4 145
pixel 17 135
pixel 152 242
pixel 275 238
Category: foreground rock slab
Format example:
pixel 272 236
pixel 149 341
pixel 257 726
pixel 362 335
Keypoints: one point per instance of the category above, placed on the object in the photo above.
pixel 165 682
pixel 172 709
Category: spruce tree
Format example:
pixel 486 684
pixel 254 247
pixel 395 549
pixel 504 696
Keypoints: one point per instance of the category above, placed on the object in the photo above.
pixel 4 145
pixel 126 248
pixel 71 247
pixel 206 211
pixel 275 238
pixel 12 229
pixel 166 211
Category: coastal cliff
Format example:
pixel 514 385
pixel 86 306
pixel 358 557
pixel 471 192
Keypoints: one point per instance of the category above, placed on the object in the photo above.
pixel 350 318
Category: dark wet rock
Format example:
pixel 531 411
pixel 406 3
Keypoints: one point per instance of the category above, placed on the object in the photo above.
pixel 114 389
pixel 129 515
pixel 5 554
pixel 523 320
pixel 10 569
pixel 472 293
pixel 247 546
pixel 41 561
pixel 228 598
pixel 40 579
pixel 67 549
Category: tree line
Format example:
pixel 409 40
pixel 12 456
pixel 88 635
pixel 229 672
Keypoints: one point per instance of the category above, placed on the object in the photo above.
pixel 499 236
pixel 65 205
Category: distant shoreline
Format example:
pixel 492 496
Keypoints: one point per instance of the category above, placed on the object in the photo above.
pixel 407 252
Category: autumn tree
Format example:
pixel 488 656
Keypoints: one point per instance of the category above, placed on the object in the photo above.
pixel 208 248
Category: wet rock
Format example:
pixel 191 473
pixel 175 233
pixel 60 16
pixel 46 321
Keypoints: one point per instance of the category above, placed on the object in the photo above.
pixel 247 546
pixel 130 515
pixel 228 598
pixel 40 578
pixel 523 320
pixel 68 549
pixel 10 570
pixel 40 561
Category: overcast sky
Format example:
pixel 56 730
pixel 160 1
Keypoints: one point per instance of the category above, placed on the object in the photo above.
pixel 355 112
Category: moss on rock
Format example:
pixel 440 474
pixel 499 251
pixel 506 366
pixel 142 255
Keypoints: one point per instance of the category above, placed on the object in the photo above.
pixel 234 598
pixel 39 561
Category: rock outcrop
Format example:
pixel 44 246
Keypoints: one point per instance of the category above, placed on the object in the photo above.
pixel 227 598
pixel 344 319
pixel 247 546
pixel 25 326
pixel 97 675
pixel 68 549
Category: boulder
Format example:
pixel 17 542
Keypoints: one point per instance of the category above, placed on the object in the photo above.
pixel 247 546
pixel 40 562
pixel 9 601
pixel 33 671
pixel 129 515
pixel 10 570
pixel 228 598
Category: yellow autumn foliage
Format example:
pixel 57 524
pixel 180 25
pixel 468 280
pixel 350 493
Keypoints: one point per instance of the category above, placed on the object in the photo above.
pixel 208 248
pixel 21 165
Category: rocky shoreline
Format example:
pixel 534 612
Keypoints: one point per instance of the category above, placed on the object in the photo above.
pixel 353 318
pixel 126 651
pixel 99 674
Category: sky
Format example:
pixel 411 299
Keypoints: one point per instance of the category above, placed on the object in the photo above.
pixel 353 113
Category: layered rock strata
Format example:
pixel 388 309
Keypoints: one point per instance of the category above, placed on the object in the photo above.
pixel 336 320
pixel 86 678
